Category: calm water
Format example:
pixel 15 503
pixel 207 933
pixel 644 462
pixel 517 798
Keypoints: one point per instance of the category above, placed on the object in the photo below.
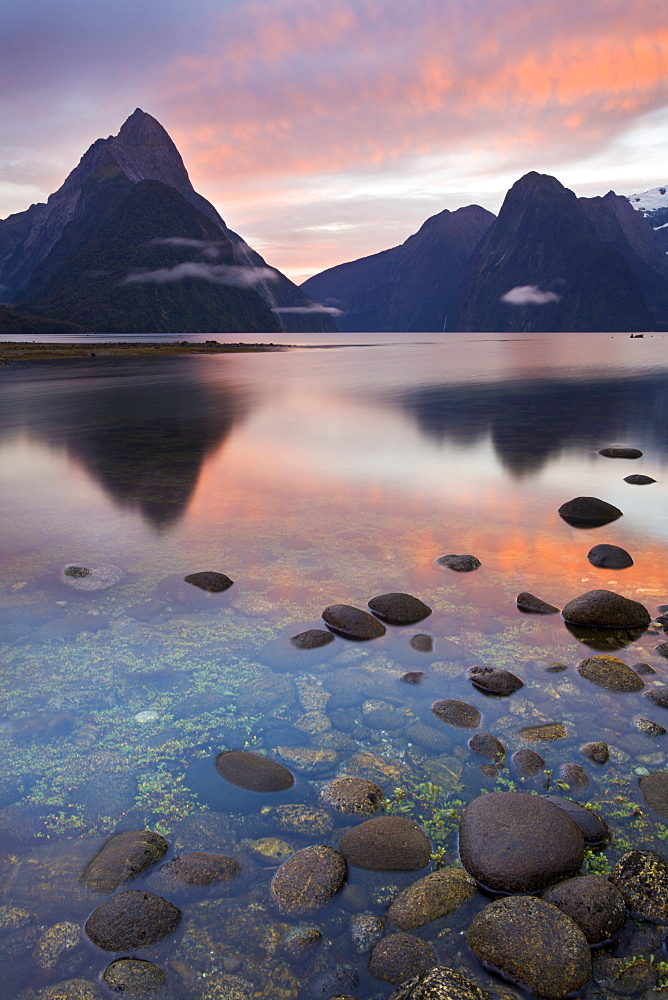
pixel 310 477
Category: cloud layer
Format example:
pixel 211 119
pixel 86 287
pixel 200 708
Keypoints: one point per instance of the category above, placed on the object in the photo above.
pixel 218 274
pixel 529 295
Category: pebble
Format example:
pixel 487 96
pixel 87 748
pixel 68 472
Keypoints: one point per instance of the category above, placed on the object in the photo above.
pixel 210 581
pixel 308 880
pixel 534 605
pixel 399 609
pixel 459 563
pixel 487 745
pixel 313 638
pixel 588 512
pixel 528 762
pixel 494 681
pixel 610 672
pixel 253 772
pixel 422 643
pixel 456 713
pixel 598 752
pixel 431 897
pixel 609 557
pixel 352 796
pixel 353 623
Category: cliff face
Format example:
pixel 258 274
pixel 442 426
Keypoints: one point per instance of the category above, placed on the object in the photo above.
pixel 541 267
pixel 412 287
pixel 34 244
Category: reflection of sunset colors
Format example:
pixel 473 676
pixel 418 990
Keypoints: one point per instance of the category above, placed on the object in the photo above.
pixel 323 131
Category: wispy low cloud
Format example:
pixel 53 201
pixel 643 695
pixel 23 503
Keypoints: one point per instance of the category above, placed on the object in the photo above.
pixel 315 308
pixel 209 248
pixel 218 274
pixel 529 295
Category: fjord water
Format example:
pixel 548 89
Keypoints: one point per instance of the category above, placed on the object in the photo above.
pixel 325 474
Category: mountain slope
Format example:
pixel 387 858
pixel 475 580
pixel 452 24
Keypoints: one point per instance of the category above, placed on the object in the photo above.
pixel 653 206
pixel 142 151
pixel 412 287
pixel 541 268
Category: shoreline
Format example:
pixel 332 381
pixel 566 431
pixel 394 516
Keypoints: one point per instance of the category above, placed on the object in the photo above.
pixel 32 351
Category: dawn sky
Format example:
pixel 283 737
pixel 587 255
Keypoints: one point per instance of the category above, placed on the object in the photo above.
pixel 324 130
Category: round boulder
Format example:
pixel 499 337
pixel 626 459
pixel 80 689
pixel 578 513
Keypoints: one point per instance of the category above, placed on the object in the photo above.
pixel 516 842
pixel 574 775
pixel 604 608
pixel 353 623
pixel 642 879
pixel 312 638
pixel 440 983
pixel 593 903
pixel 609 557
pixel 493 680
pixel 460 563
pixel 308 880
pixel 131 919
pixel 200 868
pixel 422 643
pixel 386 844
pixel 534 605
pixel 534 943
pixel 399 609
pixel 253 772
pixel 431 897
pixel 528 762
pixel 593 827
pixel 618 451
pixel 210 581
pixel 658 697
pixel 399 957
pixel 134 977
pixel 122 857
pixel 610 672
pixel 588 512
pixel 456 713
pixel 637 480
pixel 352 796
pixel 487 746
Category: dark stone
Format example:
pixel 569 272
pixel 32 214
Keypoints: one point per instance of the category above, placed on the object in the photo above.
pixel 487 746
pixel 336 982
pixel 662 649
pixel 308 880
pixel 642 879
pixel 440 983
pixel 515 842
pixel 399 957
pixel 352 796
pixel 639 480
pixel 609 557
pixel 493 680
pixel 134 977
pixel 533 605
pixel 605 608
pixel 431 897
pixel 616 451
pixel 528 762
pixel 422 643
pixel 593 827
pixel 546 664
pixel 313 638
pixel 643 668
pixel 299 941
pixel 610 672
pixel 533 943
pixel 252 772
pixel 598 752
pixel 352 622
pixel 122 857
pixel 428 737
pixel 412 677
pixel 460 564
pixel 574 775
pixel 131 919
pixel 654 788
pixel 385 844
pixel 544 731
pixel 658 697
pixel 456 713
pixel 593 903
pixel 200 868
pixel 588 512
pixel 76 572
pixel 209 580
pixel 399 609
pixel 648 728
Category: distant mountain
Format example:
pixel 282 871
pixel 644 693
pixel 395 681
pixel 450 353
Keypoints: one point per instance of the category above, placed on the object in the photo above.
pixel 72 255
pixel 412 287
pixel 551 263
pixel 653 206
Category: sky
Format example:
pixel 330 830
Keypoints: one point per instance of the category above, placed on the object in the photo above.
pixel 325 130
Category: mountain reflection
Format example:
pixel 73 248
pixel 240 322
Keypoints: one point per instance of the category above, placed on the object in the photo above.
pixel 142 431
pixel 531 422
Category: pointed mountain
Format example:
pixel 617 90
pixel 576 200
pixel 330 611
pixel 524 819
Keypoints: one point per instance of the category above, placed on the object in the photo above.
pixel 412 287
pixel 541 268
pixel 34 244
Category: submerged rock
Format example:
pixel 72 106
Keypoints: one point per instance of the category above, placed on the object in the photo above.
pixel 134 977
pixel 456 713
pixel 654 788
pixel 610 557
pixel 516 842
pixel 534 605
pixel 308 880
pixel 647 727
pixel 122 857
pixel 534 943
pixel 253 772
pixel 352 796
pixel 610 672
pixel 658 697
pixel 460 563
pixel 493 680
pixel 412 677
pixel 399 957
pixel 386 843
pixel 304 821
pixel 440 983
pixel 431 897
pixel 209 580
pixel 588 512
pixel 422 643
pixel 353 623
pixel 487 746
pixel 131 919
pixel 608 609
pixel 528 762
pixel 544 731
pixel 312 638
pixel 366 930
pixel 399 609
pixel 598 752
pixel 201 868
pixel 100 576
pixel 574 775
pixel 642 879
